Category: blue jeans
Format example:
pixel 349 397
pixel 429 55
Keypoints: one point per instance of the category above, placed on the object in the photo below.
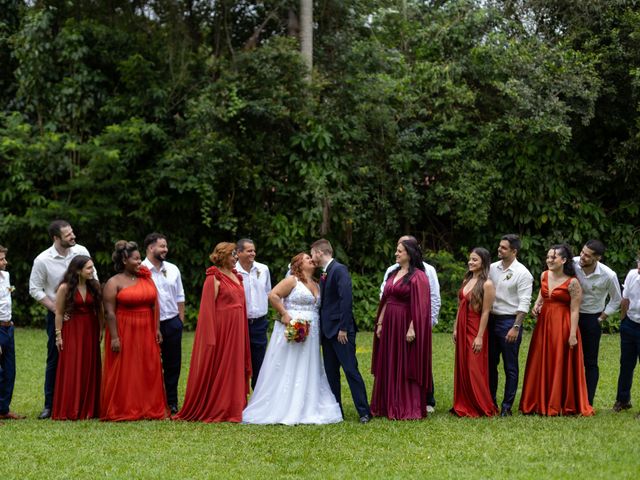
pixel 629 355
pixel 7 368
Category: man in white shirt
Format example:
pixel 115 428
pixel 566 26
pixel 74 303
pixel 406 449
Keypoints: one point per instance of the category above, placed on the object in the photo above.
pixel 598 281
pixel 514 284
pixel 168 281
pixel 629 337
pixel 434 298
pixel 7 343
pixel 257 285
pixel 46 274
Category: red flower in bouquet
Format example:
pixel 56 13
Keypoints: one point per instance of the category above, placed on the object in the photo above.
pixel 297 331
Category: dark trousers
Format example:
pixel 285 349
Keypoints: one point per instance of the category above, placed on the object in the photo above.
pixel 171 349
pixel 499 326
pixel 258 342
pixel 7 368
pixel 590 333
pixel 336 355
pixel 629 356
pixel 431 399
pixel 52 361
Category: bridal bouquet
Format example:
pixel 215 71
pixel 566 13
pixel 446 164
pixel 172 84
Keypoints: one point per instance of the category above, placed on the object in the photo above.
pixel 297 331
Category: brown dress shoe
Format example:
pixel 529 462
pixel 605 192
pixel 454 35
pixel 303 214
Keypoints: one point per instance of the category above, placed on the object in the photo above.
pixel 12 416
pixel 619 406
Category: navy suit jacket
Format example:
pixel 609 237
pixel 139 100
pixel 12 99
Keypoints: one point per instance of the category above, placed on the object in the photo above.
pixel 336 305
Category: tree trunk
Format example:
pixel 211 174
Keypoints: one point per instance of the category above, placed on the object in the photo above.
pixel 306 33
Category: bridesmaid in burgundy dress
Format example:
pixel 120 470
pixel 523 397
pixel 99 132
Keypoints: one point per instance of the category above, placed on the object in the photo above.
pixel 220 369
pixel 471 394
pixel 401 360
pixel 79 322
pixel 132 383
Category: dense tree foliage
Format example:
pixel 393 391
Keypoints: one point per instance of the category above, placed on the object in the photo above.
pixel 456 121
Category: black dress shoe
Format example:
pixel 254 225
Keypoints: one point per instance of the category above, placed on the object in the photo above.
pixel 173 409
pixel 46 413
pixel 619 406
pixel 365 418
pixel 506 412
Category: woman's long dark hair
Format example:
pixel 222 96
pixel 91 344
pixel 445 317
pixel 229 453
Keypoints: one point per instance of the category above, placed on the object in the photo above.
pixel 415 259
pixel 72 278
pixel 564 251
pixel 477 294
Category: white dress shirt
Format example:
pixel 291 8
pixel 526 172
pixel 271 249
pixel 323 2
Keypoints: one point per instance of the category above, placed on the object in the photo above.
pixel 514 286
pixel 48 270
pixel 257 285
pixel 5 296
pixel 434 287
pixel 631 292
pixel 169 285
pixel 596 286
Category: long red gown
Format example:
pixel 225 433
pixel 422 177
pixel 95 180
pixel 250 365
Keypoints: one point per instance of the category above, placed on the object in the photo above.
pixel 132 384
pixel 220 370
pixel 402 370
pixel 77 392
pixel 471 394
pixel 554 380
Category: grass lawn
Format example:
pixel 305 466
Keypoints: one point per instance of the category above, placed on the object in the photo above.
pixel 604 446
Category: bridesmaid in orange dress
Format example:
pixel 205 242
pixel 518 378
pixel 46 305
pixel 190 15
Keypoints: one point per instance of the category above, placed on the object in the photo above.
pixel 220 370
pixel 554 379
pixel 471 394
pixel 132 384
pixel 79 322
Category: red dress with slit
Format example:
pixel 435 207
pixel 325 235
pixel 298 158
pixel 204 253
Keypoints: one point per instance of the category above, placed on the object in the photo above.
pixel 77 392
pixel 471 394
pixel 220 368
pixel 132 383
pixel 554 379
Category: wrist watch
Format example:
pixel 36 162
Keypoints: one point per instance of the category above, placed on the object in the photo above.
pixel 515 325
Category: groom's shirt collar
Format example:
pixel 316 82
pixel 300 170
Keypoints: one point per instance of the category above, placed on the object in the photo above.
pixel 326 267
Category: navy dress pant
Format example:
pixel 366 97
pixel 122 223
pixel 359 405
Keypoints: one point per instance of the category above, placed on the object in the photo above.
pixel 171 349
pixel 52 361
pixel 629 356
pixel 258 343
pixel 590 333
pixel 7 368
pixel 499 326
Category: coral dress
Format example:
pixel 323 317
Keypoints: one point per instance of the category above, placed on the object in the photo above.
pixel 132 385
pixel 220 369
pixel 554 381
pixel 471 394
pixel 402 370
pixel 77 393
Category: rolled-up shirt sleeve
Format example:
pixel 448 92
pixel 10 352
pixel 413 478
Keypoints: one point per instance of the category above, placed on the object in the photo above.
pixel 179 289
pixel 615 297
pixel 38 280
pixel 435 294
pixel 525 289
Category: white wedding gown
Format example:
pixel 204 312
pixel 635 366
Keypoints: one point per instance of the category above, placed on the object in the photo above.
pixel 292 386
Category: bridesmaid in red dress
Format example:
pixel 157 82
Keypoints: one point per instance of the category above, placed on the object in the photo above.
pixel 132 384
pixel 401 359
pixel 554 380
pixel 471 394
pixel 79 322
pixel 220 370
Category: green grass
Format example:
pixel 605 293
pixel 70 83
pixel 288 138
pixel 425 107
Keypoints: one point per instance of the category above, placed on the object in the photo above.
pixel 604 446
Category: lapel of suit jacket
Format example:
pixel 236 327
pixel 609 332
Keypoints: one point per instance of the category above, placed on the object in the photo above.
pixel 323 282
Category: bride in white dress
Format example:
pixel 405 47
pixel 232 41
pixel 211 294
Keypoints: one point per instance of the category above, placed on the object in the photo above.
pixel 292 387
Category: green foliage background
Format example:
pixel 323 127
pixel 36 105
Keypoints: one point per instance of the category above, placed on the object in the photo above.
pixel 457 121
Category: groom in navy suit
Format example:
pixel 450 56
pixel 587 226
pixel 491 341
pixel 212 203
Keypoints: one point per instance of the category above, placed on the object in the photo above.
pixel 338 329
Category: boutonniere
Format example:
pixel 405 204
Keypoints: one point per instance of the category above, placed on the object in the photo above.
pixel 323 277
pixel 164 272
pixel 509 275
pixel 258 274
pixel 11 289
